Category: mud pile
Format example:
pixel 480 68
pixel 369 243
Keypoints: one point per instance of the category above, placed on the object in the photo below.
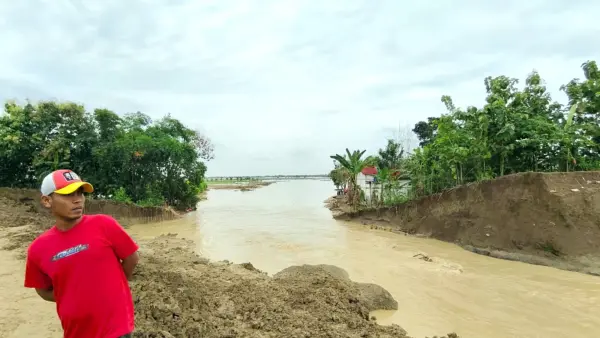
pixel 541 218
pixel 23 221
pixel 178 294
pixel 126 213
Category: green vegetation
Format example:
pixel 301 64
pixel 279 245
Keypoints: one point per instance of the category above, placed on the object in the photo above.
pixel 350 166
pixel 129 158
pixel 517 130
pixel 389 183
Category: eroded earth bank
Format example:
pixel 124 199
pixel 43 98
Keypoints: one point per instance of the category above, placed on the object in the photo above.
pixel 548 219
pixel 179 294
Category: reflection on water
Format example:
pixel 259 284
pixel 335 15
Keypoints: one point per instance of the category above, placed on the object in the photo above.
pixel 476 296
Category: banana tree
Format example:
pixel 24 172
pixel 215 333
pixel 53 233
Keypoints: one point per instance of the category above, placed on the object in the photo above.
pixel 569 135
pixel 354 164
pixel 383 179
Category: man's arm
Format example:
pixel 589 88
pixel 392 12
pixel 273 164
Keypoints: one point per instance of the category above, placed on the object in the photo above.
pixel 123 245
pixel 129 264
pixel 46 294
pixel 37 279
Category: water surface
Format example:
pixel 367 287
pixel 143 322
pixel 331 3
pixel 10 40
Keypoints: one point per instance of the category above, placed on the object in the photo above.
pixel 475 296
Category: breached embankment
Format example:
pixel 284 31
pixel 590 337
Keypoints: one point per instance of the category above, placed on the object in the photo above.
pixel 540 218
pixel 179 294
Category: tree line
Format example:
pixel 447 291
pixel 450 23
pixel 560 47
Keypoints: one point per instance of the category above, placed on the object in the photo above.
pixel 129 158
pixel 516 130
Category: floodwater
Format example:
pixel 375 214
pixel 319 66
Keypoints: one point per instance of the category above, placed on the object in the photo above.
pixel 475 296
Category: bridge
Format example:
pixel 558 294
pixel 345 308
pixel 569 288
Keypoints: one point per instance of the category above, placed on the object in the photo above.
pixel 267 178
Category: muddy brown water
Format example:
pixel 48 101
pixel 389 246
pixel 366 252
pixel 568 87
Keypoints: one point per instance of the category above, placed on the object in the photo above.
pixel 475 296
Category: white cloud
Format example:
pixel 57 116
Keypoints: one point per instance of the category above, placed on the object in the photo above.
pixel 281 85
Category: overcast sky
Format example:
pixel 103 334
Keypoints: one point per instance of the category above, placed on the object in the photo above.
pixel 281 85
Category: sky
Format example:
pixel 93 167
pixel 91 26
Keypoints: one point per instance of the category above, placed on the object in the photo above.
pixel 279 86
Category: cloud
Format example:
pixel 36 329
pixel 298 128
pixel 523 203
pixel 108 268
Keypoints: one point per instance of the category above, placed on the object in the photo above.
pixel 281 85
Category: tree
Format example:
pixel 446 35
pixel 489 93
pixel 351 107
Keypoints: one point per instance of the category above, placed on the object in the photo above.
pixel 339 176
pixel 129 157
pixel 390 157
pixel 585 123
pixel 425 131
pixel 516 130
pixel 354 164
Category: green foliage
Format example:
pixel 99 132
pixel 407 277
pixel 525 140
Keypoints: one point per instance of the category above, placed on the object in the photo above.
pixel 390 157
pixel 515 131
pixel 120 195
pixel 353 164
pixel 203 186
pixel 339 175
pixel 127 158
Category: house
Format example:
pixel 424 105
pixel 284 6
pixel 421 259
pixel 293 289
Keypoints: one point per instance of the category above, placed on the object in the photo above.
pixel 365 180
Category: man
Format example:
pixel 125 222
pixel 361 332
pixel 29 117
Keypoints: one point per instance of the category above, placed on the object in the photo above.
pixel 83 263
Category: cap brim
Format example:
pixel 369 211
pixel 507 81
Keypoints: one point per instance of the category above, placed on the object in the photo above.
pixel 71 188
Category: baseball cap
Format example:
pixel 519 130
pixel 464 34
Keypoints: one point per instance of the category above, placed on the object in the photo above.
pixel 63 182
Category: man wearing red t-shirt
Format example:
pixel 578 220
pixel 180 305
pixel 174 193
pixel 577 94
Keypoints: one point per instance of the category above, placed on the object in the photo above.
pixel 83 263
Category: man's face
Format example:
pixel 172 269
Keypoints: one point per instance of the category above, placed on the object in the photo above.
pixel 68 207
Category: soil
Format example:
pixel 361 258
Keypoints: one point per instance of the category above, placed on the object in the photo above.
pixel 339 207
pixel 180 294
pixel 541 218
pixel 187 296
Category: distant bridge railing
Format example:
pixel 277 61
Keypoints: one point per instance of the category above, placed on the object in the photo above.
pixel 265 178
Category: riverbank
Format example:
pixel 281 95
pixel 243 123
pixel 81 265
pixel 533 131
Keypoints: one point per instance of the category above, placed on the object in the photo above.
pixel 547 219
pixel 179 294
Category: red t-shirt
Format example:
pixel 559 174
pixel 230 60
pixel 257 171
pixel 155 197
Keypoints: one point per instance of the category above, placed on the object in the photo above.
pixel 92 294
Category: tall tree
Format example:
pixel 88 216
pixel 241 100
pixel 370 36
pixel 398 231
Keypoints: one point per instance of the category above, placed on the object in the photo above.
pixel 516 130
pixel 354 164
pixel 390 157
pixel 147 162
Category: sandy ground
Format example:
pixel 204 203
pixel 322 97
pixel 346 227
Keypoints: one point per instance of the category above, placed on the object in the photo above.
pixel 179 294
pixel 22 312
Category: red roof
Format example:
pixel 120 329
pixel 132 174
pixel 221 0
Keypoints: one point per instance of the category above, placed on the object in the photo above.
pixel 369 171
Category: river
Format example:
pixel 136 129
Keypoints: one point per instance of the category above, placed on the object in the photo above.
pixel 475 296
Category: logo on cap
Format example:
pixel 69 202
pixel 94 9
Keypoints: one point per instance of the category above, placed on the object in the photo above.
pixel 71 176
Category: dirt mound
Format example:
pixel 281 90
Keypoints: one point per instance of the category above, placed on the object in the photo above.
pixel 182 294
pixel 125 213
pixel 548 216
pixel 372 296
pixel 15 214
pixel 179 294
pixel 299 271
pixel 338 206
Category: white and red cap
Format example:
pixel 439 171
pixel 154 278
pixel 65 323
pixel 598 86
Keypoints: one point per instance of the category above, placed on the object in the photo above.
pixel 63 182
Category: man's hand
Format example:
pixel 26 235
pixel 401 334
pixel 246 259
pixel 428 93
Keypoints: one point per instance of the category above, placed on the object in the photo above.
pixel 129 264
pixel 46 294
